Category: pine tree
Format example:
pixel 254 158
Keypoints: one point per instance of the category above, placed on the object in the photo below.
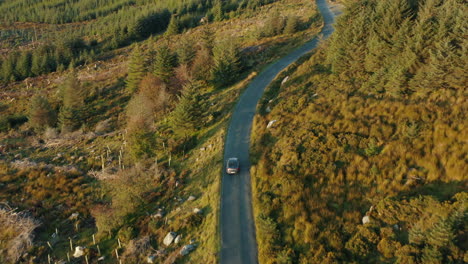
pixel 8 69
pixel 41 114
pixel 226 63
pixel 164 63
pixel 186 117
pixel 292 25
pixel 185 52
pixel 136 70
pixel 218 10
pixel 72 112
pixel 23 68
pixel 174 27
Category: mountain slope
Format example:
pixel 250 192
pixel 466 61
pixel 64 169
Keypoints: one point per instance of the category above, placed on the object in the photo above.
pixel 369 129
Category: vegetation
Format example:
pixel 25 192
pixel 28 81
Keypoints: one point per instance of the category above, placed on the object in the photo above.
pixel 93 142
pixel 365 163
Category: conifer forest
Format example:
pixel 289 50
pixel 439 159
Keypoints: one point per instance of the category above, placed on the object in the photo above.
pixel 115 114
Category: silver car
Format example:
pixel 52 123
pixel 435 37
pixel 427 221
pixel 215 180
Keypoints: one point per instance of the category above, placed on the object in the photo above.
pixel 232 166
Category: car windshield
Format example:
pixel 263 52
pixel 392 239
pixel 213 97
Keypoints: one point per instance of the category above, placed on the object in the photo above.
pixel 232 163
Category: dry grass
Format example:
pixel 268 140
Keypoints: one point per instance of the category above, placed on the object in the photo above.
pixel 16 234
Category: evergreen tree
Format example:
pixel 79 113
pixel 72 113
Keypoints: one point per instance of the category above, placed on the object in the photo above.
pixel 185 51
pixel 136 70
pixel 218 10
pixel 41 114
pixel 8 69
pixel 72 112
pixel 23 68
pixel 187 115
pixel 164 63
pixel 292 25
pixel 226 66
pixel 173 27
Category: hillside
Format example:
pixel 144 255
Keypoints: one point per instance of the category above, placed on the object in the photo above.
pixel 111 135
pixel 364 158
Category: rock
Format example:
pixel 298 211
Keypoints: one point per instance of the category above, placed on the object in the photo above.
pixel 396 227
pixel 271 123
pixel 285 80
pixel 365 220
pixel 203 149
pixel 74 216
pixel 79 251
pixel 18 156
pixel 169 238
pixel 150 259
pixel 197 211
pixel 187 249
pixel 191 198
pixel 314 95
pixel 268 109
pixel 177 239
pixel 192 241
pixel 101 258
pixel 159 214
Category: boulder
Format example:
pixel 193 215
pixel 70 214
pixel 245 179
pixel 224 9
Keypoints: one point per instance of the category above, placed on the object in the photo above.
pixel 191 198
pixel 169 238
pixel 271 123
pixel 285 80
pixel 187 249
pixel 366 219
pixel 177 239
pixel 79 251
pixel 74 216
pixel 197 211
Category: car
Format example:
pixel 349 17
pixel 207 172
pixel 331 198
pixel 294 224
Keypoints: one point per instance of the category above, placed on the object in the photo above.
pixel 232 166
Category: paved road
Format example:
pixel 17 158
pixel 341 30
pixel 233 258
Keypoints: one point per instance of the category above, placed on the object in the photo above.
pixel 238 244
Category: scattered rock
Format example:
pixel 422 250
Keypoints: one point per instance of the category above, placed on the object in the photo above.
pixel 314 95
pixel 271 123
pixel 285 80
pixel 268 109
pixel 191 198
pixel 101 258
pixel 177 239
pixel 18 156
pixel 197 211
pixel 79 251
pixel 192 241
pixel 159 214
pixel 365 220
pixel 169 238
pixel 187 249
pixel 150 259
pixel 203 149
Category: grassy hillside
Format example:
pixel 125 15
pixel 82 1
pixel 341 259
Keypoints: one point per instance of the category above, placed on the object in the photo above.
pixel 366 162
pixel 115 151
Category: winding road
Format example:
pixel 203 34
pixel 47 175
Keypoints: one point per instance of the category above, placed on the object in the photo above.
pixel 237 230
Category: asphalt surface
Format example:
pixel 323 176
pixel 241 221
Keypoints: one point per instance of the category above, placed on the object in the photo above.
pixel 238 243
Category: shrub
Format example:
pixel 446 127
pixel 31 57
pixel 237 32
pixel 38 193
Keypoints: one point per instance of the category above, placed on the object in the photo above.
pixel 16 234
